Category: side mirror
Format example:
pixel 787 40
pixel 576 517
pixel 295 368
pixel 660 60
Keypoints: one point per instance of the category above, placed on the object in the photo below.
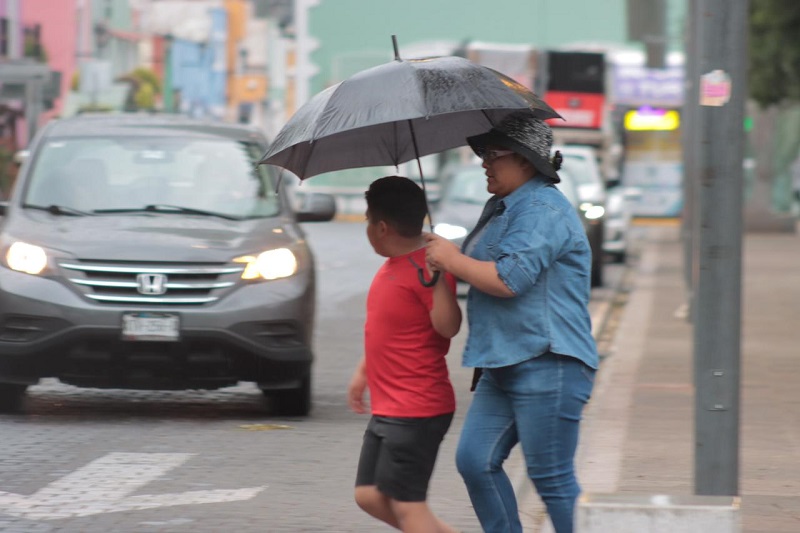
pixel 633 194
pixel 316 207
pixel 21 155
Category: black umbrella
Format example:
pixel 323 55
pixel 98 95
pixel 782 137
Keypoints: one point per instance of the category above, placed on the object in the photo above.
pixel 396 112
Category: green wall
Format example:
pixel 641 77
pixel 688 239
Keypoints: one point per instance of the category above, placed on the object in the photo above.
pixel 357 33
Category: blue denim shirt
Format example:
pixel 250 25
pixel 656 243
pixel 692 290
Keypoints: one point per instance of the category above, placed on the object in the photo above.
pixel 536 239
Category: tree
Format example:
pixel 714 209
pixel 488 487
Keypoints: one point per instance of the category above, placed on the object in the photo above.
pixel 774 51
pixel 144 89
pixel 774 79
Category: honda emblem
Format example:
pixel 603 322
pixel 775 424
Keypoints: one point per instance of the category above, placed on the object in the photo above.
pixel 154 284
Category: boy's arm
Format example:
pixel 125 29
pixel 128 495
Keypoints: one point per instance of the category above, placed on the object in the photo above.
pixel 357 388
pixel 446 313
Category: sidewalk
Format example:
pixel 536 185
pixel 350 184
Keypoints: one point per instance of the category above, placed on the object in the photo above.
pixel 638 434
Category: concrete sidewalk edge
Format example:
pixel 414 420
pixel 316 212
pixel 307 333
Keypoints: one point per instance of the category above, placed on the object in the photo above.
pixel 532 512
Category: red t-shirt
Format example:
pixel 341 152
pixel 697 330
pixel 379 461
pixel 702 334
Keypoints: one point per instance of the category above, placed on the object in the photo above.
pixel 405 357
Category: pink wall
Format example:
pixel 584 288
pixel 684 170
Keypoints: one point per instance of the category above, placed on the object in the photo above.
pixel 59 20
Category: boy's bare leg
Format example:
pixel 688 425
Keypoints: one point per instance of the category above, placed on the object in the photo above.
pixel 416 517
pixel 376 504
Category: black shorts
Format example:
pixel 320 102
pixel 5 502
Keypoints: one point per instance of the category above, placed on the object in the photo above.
pixel 398 455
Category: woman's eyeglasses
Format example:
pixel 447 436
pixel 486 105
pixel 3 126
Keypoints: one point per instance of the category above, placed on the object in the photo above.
pixel 490 155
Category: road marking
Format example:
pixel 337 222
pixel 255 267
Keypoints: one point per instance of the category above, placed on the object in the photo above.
pixel 105 485
pixel 265 427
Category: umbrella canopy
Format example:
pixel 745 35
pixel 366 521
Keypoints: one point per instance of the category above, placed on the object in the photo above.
pixel 396 112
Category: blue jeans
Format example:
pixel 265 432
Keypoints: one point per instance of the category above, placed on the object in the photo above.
pixel 537 403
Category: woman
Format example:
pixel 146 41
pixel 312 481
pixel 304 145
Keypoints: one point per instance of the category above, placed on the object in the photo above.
pixel 528 263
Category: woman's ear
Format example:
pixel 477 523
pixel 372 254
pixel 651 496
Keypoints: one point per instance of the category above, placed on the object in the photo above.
pixel 527 165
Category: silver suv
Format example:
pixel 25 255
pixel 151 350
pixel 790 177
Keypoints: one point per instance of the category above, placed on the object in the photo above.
pixel 147 252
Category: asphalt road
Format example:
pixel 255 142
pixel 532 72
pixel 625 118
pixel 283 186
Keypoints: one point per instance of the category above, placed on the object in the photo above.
pixel 89 460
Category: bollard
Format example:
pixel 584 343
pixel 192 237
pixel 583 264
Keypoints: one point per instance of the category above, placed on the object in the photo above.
pixel 657 513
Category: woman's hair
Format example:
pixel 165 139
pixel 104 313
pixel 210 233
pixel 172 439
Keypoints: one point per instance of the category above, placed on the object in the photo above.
pixel 557 160
pixel 399 202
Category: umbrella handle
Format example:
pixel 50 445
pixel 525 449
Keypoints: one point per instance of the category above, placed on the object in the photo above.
pixel 421 276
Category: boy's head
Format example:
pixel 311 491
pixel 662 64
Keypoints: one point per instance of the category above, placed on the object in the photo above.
pixel 399 203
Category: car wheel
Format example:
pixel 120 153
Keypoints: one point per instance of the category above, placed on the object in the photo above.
pixel 619 257
pixel 11 397
pixel 595 235
pixel 597 273
pixel 292 402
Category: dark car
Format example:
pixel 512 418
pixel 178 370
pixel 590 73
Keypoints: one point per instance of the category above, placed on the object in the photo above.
pixel 148 252
pixel 465 195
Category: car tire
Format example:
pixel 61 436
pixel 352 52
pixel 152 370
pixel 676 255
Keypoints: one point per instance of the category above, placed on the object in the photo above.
pixel 12 396
pixel 292 402
pixel 595 236
pixel 597 273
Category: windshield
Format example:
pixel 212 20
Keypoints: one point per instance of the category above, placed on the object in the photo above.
pixel 468 186
pixel 581 169
pixel 211 175
pixel 567 186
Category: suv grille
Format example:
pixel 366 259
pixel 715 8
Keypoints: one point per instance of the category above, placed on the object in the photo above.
pixel 152 283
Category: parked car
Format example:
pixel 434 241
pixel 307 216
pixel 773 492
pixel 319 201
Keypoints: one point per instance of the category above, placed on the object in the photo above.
pixel 465 194
pixel 461 204
pixel 581 163
pixel 619 215
pixel 149 252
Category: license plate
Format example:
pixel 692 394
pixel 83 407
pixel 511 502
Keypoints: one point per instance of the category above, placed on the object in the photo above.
pixel 150 327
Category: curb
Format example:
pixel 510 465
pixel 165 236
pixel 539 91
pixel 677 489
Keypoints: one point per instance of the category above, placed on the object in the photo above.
pixel 348 217
pixel 532 512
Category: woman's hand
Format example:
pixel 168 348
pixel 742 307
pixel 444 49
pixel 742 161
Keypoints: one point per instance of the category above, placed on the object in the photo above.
pixel 439 251
pixel 442 254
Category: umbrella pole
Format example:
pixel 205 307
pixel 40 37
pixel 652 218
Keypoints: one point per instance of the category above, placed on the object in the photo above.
pixel 421 176
pixel 420 270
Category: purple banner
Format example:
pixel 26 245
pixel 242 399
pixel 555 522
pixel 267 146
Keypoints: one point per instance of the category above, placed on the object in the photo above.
pixel 638 86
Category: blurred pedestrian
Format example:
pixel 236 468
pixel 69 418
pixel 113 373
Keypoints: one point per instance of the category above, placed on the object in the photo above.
pixel 407 335
pixel 528 263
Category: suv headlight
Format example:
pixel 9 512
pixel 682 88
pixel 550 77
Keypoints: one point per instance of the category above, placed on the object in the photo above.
pixel 28 258
pixel 272 264
pixel 591 211
pixel 449 231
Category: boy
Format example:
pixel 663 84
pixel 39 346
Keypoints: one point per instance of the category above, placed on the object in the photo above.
pixel 406 336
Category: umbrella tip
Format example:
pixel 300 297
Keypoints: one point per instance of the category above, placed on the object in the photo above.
pixel 396 51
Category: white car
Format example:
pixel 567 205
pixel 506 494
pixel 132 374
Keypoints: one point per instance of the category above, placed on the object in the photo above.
pixel 465 195
pixel 580 162
pixel 616 201
pixel 618 220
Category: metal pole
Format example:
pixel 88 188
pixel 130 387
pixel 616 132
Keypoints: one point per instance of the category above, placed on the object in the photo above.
pixel 14 29
pixel 721 29
pixel 689 147
pixel 304 45
pixel 169 87
pixel 34 105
